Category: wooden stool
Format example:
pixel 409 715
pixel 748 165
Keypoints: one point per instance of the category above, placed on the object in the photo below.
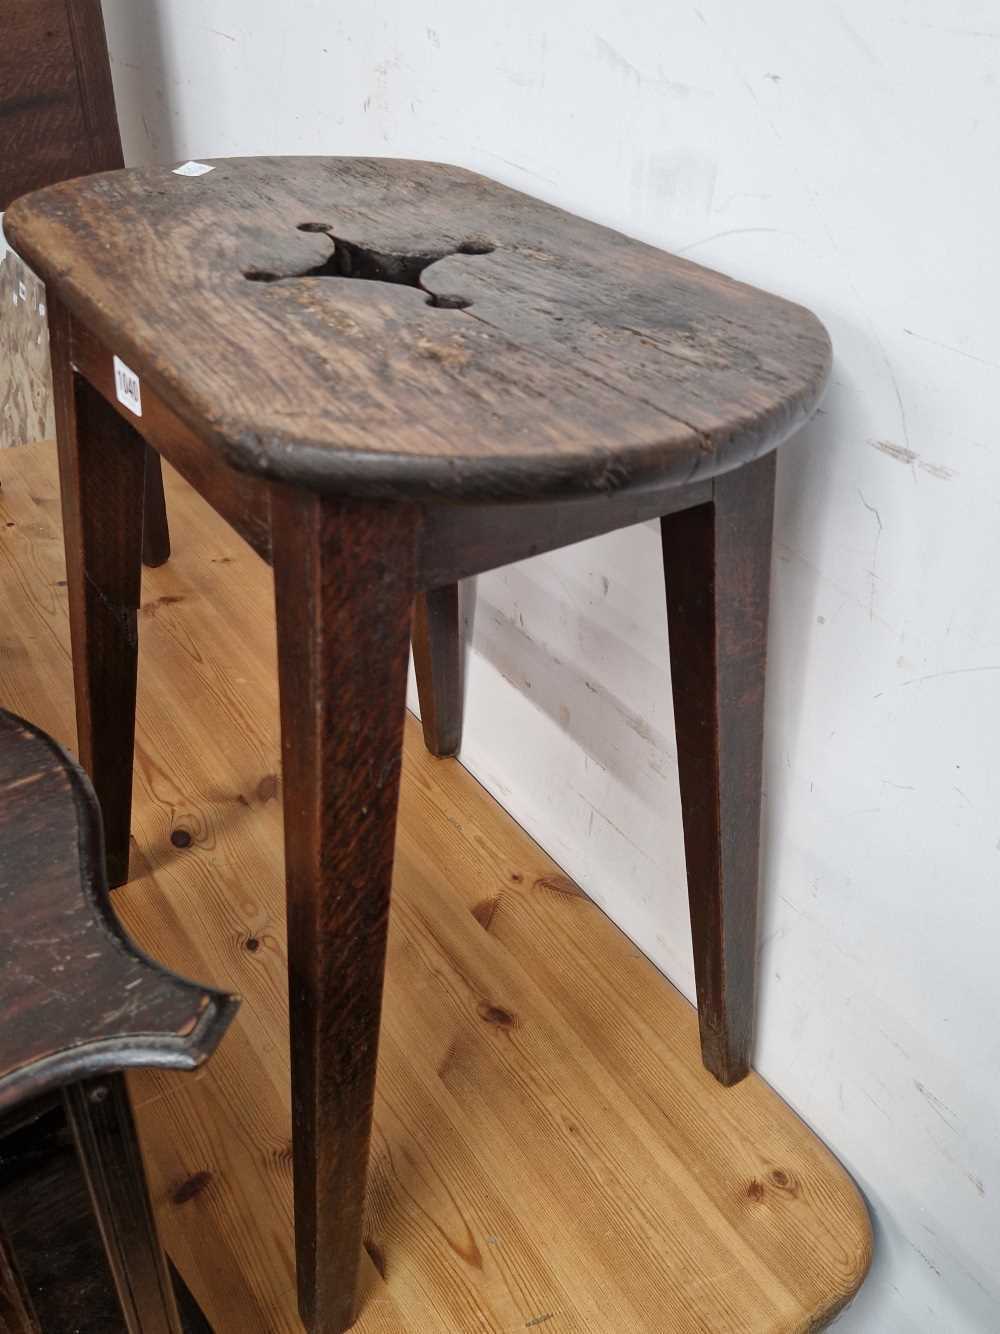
pixel 80 1004
pixel 389 376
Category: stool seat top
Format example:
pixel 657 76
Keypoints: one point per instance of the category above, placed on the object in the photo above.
pixel 77 997
pixel 380 327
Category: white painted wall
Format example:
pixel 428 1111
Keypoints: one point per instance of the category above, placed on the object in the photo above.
pixel 844 155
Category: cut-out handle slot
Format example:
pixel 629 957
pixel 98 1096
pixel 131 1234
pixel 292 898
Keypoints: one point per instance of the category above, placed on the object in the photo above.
pixel 350 260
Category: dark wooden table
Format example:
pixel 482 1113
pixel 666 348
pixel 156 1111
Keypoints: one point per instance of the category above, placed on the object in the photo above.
pixel 80 1004
pixel 389 376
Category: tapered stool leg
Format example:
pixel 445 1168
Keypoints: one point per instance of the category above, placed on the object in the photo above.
pixel 437 660
pixel 344 589
pixel 101 476
pixel 717 566
pixel 100 1116
pixel 155 530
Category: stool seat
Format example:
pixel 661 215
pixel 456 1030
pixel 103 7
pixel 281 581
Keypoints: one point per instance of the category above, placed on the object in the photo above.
pixel 495 347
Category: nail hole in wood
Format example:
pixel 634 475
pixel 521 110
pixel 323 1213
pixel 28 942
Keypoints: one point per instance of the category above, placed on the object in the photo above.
pixel 349 260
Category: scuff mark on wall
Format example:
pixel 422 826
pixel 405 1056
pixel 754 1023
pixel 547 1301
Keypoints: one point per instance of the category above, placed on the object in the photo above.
pixel 903 454
pixel 611 56
pixel 942 1108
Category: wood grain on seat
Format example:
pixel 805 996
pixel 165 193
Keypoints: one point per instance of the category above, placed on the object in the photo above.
pixel 398 329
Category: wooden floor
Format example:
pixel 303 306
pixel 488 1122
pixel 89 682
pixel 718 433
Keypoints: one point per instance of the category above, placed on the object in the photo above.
pixel 548 1152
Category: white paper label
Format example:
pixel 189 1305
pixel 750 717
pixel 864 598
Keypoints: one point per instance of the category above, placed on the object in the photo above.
pixel 127 387
pixel 192 169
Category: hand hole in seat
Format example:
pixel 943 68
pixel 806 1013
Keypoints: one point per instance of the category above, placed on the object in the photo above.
pixel 347 259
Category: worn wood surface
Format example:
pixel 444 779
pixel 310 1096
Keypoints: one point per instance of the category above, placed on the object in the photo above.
pixel 717 571
pixel 343 592
pixel 77 997
pixel 454 541
pixel 57 110
pixel 547 1144
pixel 582 362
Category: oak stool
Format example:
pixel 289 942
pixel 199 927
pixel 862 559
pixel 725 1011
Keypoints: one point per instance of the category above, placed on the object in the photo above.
pixel 389 376
pixel 81 1004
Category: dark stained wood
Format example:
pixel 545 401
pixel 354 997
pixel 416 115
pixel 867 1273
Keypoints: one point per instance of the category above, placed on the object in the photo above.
pixel 52 1230
pixel 16 1313
pixel 55 1237
pixel 717 567
pixel 76 997
pixel 457 541
pixel 240 499
pixel 101 472
pixel 437 659
pixel 97 94
pixel 344 589
pixel 57 110
pixel 100 1116
pixel 584 362
pixel 155 532
pixel 57 121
